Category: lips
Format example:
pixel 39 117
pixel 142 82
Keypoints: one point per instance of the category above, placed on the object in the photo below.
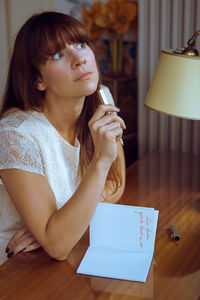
pixel 84 76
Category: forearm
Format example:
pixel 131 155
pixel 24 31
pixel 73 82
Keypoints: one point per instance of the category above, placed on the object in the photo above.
pixel 67 225
pixel 108 194
pixel 57 231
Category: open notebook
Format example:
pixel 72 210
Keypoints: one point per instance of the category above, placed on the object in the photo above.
pixel 122 239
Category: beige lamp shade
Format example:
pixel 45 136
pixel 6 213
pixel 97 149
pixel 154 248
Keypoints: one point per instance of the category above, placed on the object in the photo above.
pixel 175 88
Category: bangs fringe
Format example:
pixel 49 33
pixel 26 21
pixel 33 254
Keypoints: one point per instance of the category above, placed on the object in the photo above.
pixel 53 35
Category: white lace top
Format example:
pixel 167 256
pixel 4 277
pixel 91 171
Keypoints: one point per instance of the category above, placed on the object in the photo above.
pixel 29 142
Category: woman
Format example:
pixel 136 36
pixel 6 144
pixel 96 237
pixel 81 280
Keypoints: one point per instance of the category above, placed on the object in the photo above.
pixel 59 148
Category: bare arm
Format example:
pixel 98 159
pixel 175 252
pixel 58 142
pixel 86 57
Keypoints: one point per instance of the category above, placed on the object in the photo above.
pixel 59 230
pixel 107 194
pixel 23 240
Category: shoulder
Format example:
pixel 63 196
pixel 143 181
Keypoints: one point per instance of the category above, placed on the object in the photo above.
pixel 14 118
pixel 29 124
pixel 18 148
pixel 17 128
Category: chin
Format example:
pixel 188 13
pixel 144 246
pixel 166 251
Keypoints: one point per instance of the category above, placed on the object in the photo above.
pixel 90 89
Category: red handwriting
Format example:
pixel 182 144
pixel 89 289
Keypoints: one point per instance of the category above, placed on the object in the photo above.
pixel 147 231
pixel 144 230
pixel 148 220
pixel 140 213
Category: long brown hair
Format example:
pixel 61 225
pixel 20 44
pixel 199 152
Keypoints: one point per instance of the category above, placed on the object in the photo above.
pixel 40 37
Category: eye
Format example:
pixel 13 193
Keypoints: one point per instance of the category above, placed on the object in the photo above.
pixel 57 56
pixel 81 45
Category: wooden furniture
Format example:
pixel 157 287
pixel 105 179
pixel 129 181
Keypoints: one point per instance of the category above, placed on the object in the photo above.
pixel 169 182
pixel 124 91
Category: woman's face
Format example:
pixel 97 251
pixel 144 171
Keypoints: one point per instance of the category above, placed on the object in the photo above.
pixel 70 73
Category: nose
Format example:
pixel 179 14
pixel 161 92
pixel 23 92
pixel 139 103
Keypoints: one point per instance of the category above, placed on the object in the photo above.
pixel 79 61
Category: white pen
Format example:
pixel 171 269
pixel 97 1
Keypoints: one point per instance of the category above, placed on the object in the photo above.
pixel 106 98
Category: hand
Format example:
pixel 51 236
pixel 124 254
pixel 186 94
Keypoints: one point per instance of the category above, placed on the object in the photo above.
pixel 106 129
pixel 22 240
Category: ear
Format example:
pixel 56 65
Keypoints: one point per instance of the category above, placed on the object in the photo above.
pixel 40 85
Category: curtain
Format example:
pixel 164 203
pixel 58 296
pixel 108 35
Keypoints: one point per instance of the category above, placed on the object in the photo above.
pixel 164 24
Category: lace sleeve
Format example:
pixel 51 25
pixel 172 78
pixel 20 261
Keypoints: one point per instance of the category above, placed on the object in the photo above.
pixel 18 152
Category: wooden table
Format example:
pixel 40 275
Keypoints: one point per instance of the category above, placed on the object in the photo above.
pixel 169 182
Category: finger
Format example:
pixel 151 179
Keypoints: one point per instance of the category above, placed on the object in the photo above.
pixel 15 241
pixel 111 131
pixel 113 118
pixel 102 110
pixel 31 247
pixel 16 236
pixel 108 119
pixel 22 243
pixel 34 245
pixel 110 127
pixel 117 132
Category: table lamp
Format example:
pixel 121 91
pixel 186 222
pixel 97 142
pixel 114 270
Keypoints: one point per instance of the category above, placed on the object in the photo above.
pixel 175 87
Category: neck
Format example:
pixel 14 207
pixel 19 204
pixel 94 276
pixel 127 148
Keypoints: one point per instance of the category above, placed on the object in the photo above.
pixel 63 115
